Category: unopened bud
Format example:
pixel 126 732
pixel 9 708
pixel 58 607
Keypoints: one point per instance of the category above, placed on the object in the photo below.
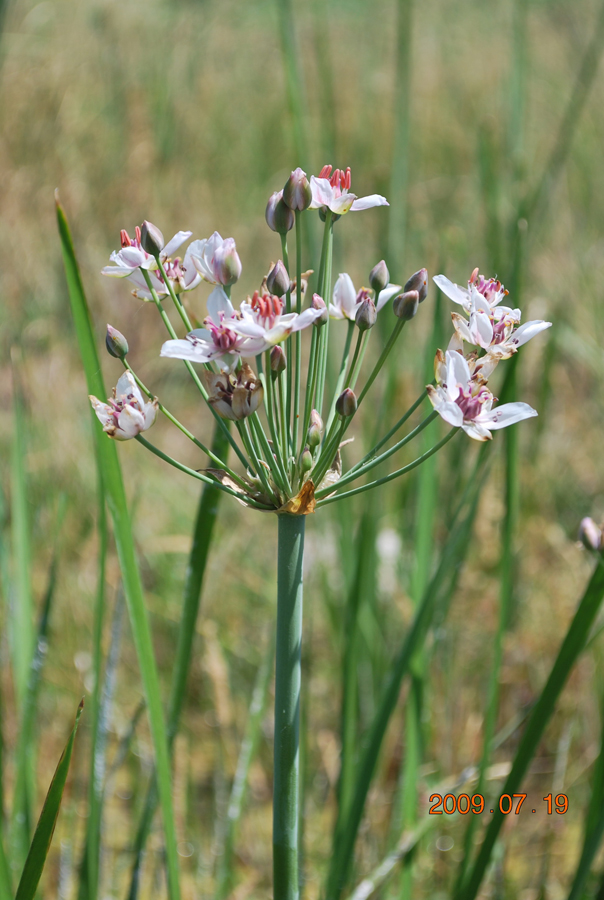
pixel 346 404
pixel 279 217
pixel 152 240
pixel 319 303
pixel 418 282
pixel 379 277
pixel 306 460
pixel 226 263
pixel 366 315
pixel 297 193
pixel 405 305
pixel 315 430
pixel 116 343
pixel 277 280
pixel 590 534
pixel 278 360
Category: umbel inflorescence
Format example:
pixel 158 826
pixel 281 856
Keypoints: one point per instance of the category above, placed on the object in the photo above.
pixel 289 430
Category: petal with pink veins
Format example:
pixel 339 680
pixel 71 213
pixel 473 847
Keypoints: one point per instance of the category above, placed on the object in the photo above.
pixel 369 202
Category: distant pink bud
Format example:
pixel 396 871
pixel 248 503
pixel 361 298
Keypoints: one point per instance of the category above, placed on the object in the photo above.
pixel 318 303
pixel 590 534
pixel 116 343
pixel 277 280
pixel 405 305
pixel 279 217
pixel 152 240
pixel 278 360
pixel 226 262
pixel 379 277
pixel 418 282
pixel 297 193
pixel 346 404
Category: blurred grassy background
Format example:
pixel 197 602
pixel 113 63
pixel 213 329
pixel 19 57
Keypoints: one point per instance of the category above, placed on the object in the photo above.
pixel 178 112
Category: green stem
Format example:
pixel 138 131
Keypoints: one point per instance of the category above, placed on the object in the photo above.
pixel 288 343
pixel 287 707
pixel 342 373
pixel 324 290
pixel 385 353
pixel 393 475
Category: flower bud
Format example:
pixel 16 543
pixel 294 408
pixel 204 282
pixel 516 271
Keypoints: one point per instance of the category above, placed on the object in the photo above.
pixel 226 262
pixel 152 240
pixel 116 343
pixel 306 461
pixel 297 193
pixel 406 304
pixel 590 534
pixel 278 360
pixel 277 281
pixel 279 217
pixel 418 282
pixel 379 277
pixel 319 303
pixel 366 315
pixel 346 404
pixel 315 430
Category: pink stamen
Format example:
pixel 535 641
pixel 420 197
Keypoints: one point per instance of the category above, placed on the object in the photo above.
pixel 325 172
pixel 125 238
pixel 268 307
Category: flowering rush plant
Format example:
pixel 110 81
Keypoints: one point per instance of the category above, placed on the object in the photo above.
pixel 289 422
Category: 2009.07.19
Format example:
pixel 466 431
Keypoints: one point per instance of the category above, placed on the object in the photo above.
pixel 508 803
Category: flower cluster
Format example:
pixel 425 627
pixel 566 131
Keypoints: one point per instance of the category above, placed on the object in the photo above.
pixel 461 396
pixel 291 454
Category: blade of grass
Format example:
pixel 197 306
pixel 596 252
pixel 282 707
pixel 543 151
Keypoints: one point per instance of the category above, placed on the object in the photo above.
pixel 397 214
pixel 239 790
pixel 22 799
pixel 570 651
pixel 118 507
pixel 203 531
pixel 450 559
pixel 36 858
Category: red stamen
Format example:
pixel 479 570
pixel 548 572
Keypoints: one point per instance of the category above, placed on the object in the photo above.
pixel 325 172
pixel 474 275
pixel 335 179
pixel 138 234
pixel 346 185
pixel 125 238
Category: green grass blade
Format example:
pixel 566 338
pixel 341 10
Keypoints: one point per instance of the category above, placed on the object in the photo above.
pixel 397 214
pixel 118 508
pixel 203 531
pixel 246 756
pixel 570 650
pixel 452 554
pixel 40 845
pixel 6 890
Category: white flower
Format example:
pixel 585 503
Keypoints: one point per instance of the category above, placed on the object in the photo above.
pixel 218 341
pixel 125 414
pixel 333 192
pixel 346 300
pixel 129 261
pixel 264 323
pixel 216 259
pixel 490 289
pixel 465 403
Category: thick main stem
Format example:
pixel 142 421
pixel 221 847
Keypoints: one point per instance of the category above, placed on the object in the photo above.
pixel 287 707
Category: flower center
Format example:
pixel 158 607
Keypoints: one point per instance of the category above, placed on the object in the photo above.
pixel 267 307
pixel 471 406
pixel 490 288
pixel 223 337
pixel 127 240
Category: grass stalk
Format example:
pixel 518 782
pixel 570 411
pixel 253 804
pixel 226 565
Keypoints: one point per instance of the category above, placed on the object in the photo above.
pixel 118 507
pixel 397 214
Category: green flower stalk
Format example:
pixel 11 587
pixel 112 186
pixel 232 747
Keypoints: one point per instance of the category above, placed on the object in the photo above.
pixel 291 460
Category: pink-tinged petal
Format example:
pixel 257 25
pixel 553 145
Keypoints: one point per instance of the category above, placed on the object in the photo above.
pixel 116 271
pixel 458 371
pixel 453 291
pixel 505 415
pixel 130 422
pixel 174 243
pixel 305 318
pixel 462 330
pixel 127 387
pixel 479 303
pixel 476 431
pixel 248 328
pixel 150 414
pixel 342 204
pixel 335 312
pixel 322 192
pixel 456 342
pixel 252 346
pixel 527 331
pixel 133 257
pixel 369 202
pixel 345 296
pixel 103 411
pixel 481 330
pixel 218 302
pixel 448 410
pixel 387 294
pixel 199 353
